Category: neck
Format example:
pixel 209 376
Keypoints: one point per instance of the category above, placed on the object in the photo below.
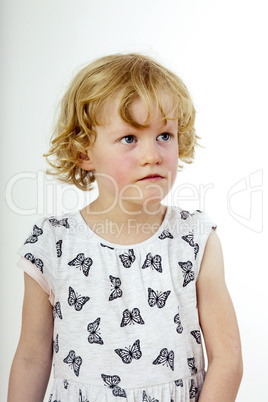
pixel 124 225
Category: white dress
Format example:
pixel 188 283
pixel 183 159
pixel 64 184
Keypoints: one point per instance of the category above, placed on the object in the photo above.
pixel 125 316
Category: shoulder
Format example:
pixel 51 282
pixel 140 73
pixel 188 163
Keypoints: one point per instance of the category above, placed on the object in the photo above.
pixel 54 224
pixel 196 221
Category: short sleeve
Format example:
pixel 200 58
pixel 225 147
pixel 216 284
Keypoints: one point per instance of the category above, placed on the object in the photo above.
pixel 39 256
pixel 201 227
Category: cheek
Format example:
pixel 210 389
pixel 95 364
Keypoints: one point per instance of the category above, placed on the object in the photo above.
pixel 122 170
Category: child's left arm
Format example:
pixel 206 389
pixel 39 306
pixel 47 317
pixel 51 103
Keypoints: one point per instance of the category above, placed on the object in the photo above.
pixel 219 326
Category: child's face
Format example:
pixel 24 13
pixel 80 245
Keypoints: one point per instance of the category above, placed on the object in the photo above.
pixel 134 166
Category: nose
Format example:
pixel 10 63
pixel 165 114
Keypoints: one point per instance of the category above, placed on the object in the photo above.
pixel 150 153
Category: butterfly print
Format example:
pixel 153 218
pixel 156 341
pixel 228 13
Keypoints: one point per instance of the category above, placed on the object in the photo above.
pixel 131 317
pixel 59 248
pixel 75 300
pixel 190 240
pixel 185 215
pixel 82 262
pixel 193 390
pixel 187 272
pixel 165 234
pixel 112 382
pixel 146 398
pixel 34 236
pixel 196 249
pixel 62 222
pixel 56 344
pixel 153 262
pixel 133 352
pixel 94 334
pixel 197 336
pixel 179 383
pixel 104 245
pixel 65 384
pixel 117 292
pixel 50 398
pixel 191 365
pixel 127 258
pixel 36 261
pixel 177 321
pixel 73 361
pixel 81 397
pixel 57 311
pixel 157 298
pixel 165 357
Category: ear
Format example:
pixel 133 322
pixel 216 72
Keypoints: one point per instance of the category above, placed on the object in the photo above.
pixel 84 162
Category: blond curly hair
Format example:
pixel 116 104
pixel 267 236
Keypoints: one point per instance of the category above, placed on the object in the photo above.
pixel 130 76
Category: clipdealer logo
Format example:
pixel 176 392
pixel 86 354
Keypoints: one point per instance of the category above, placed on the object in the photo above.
pixel 244 197
pixel 245 201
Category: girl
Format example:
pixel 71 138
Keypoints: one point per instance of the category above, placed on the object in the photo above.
pixel 119 291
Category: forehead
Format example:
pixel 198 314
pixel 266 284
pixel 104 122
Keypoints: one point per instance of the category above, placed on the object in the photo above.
pixel 141 112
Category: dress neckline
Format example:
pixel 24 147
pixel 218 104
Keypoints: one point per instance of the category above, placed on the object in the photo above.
pixel 102 241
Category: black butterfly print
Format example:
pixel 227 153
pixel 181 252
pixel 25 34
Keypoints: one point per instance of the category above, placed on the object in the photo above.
pixel 59 248
pixel 179 383
pixel 196 249
pixel 157 298
pixel 82 262
pixel 66 384
pixel 76 300
pixel 177 321
pixel 165 234
pixel 36 261
pixel 127 258
pixel 104 245
pixel 197 336
pixel 146 398
pixel 193 390
pixel 56 344
pixel 153 262
pixel 165 357
pixel 191 365
pixel 187 272
pixel 112 382
pixel 33 238
pixel 62 222
pixel 131 317
pixel 73 361
pixel 185 215
pixel 190 240
pixel 117 292
pixel 133 352
pixel 81 397
pixel 57 311
pixel 94 334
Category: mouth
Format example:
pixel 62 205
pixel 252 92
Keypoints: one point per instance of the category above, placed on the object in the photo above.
pixel 154 177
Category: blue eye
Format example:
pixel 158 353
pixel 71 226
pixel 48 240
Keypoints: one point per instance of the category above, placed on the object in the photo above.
pixel 164 137
pixel 128 139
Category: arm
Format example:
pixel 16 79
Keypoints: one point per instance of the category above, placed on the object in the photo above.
pixel 32 362
pixel 219 327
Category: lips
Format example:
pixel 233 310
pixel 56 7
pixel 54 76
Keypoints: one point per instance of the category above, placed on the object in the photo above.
pixel 152 177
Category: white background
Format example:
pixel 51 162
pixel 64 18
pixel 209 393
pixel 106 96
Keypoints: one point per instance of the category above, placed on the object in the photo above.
pixel 219 48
